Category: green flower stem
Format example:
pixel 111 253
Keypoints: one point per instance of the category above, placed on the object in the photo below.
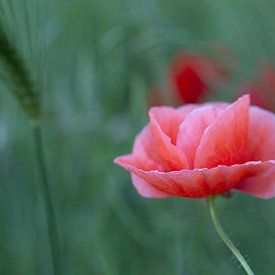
pixel 50 213
pixel 225 238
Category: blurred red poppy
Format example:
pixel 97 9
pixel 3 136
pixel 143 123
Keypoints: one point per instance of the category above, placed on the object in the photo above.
pixel 193 76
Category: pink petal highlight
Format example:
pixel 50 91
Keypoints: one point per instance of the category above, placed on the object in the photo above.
pixel 192 129
pixel 146 153
pixel 169 119
pixel 224 142
pixel 165 131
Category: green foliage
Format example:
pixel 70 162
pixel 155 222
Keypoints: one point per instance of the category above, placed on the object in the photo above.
pixel 92 64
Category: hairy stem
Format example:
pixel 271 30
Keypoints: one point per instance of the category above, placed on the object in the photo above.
pixel 225 238
pixel 50 213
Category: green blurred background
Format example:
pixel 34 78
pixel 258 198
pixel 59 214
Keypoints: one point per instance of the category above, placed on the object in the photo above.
pixel 96 62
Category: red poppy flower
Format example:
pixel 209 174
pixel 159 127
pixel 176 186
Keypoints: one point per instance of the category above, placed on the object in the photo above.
pixel 193 76
pixel 201 150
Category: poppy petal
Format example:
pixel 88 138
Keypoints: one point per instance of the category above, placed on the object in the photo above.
pixel 165 132
pixel 261 134
pixel 197 183
pixel 262 185
pixel 192 129
pixel 146 153
pixel 147 190
pixel 224 142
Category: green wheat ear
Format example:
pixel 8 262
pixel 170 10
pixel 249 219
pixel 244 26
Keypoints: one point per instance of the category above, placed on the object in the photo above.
pixel 19 80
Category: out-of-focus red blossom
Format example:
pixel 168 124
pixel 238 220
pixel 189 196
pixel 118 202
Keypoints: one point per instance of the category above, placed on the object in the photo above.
pixel 193 76
pixel 201 150
pixel 262 92
pixel 155 97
